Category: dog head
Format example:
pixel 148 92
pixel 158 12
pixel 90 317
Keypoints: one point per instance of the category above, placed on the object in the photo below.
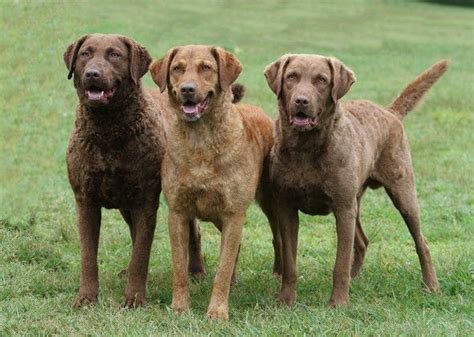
pixel 105 67
pixel 308 88
pixel 196 76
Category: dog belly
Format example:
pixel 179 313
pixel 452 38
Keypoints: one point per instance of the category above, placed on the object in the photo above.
pixel 310 201
pixel 116 192
pixel 316 209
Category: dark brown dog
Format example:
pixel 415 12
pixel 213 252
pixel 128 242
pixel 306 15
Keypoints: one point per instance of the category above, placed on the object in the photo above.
pixel 327 153
pixel 216 162
pixel 115 154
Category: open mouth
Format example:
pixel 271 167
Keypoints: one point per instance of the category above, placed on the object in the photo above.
pixel 97 94
pixel 193 110
pixel 302 119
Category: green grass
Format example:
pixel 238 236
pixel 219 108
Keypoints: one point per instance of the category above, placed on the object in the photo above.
pixel 386 43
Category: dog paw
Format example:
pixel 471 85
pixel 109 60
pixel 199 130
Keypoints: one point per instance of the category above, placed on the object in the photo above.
pixel 277 271
pixel 198 275
pixel 133 301
pixel 220 312
pixel 123 273
pixel 287 297
pixel 180 306
pixel 355 270
pixel 234 279
pixel 432 286
pixel 338 301
pixel 84 301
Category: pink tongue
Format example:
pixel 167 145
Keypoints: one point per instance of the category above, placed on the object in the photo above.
pixel 301 120
pixel 190 109
pixel 95 94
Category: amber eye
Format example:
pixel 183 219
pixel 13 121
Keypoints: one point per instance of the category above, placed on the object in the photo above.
pixel 205 67
pixel 291 76
pixel 322 80
pixel 85 53
pixel 176 68
pixel 114 54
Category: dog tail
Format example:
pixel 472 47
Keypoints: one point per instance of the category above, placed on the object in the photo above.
pixel 414 92
pixel 238 90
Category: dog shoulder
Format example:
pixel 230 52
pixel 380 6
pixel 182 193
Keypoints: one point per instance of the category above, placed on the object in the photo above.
pixel 257 123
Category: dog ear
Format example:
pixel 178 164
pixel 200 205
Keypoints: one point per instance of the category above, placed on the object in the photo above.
pixel 274 73
pixel 342 78
pixel 229 67
pixel 70 55
pixel 160 69
pixel 140 59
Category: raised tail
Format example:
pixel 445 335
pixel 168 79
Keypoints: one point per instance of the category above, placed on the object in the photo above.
pixel 238 91
pixel 414 92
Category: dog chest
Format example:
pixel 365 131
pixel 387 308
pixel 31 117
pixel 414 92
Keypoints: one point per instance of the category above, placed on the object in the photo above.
pixel 304 186
pixel 207 191
pixel 114 179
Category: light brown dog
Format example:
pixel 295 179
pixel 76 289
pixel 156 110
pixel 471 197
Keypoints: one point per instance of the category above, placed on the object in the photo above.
pixel 327 153
pixel 215 164
pixel 115 154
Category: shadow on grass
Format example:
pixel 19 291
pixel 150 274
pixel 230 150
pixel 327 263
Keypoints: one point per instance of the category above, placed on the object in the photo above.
pixel 464 3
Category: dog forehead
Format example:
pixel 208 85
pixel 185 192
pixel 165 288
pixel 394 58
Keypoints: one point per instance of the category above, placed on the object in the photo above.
pixel 104 41
pixel 309 63
pixel 195 53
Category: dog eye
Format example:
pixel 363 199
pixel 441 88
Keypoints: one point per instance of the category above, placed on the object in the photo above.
pixel 85 53
pixel 291 76
pixel 114 54
pixel 322 80
pixel 205 67
pixel 176 68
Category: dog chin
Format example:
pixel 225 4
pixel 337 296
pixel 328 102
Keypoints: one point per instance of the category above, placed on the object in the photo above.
pixel 192 117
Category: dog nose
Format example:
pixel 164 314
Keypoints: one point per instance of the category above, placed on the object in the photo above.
pixel 188 88
pixel 93 73
pixel 301 101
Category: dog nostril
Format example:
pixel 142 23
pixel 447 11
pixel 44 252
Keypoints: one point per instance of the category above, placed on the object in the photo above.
pixel 92 73
pixel 301 100
pixel 187 89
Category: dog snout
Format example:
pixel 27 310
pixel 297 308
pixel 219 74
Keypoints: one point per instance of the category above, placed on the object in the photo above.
pixel 301 101
pixel 188 89
pixel 93 74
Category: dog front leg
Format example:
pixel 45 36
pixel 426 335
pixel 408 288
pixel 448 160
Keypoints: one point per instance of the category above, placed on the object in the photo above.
pixel 179 237
pixel 345 228
pixel 232 227
pixel 144 222
pixel 288 223
pixel 88 223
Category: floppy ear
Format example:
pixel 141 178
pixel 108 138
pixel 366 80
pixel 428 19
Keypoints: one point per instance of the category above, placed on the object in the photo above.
pixel 70 55
pixel 229 67
pixel 160 69
pixel 274 73
pixel 342 78
pixel 140 59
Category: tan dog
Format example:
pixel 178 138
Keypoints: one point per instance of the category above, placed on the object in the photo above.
pixel 214 164
pixel 327 153
pixel 115 154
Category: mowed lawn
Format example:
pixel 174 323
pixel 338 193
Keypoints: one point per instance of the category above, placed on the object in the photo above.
pixel 386 43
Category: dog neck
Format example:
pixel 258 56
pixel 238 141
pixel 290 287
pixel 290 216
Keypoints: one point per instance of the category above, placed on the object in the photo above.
pixel 315 141
pixel 116 123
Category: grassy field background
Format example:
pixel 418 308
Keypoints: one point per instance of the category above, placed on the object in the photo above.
pixel 386 43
